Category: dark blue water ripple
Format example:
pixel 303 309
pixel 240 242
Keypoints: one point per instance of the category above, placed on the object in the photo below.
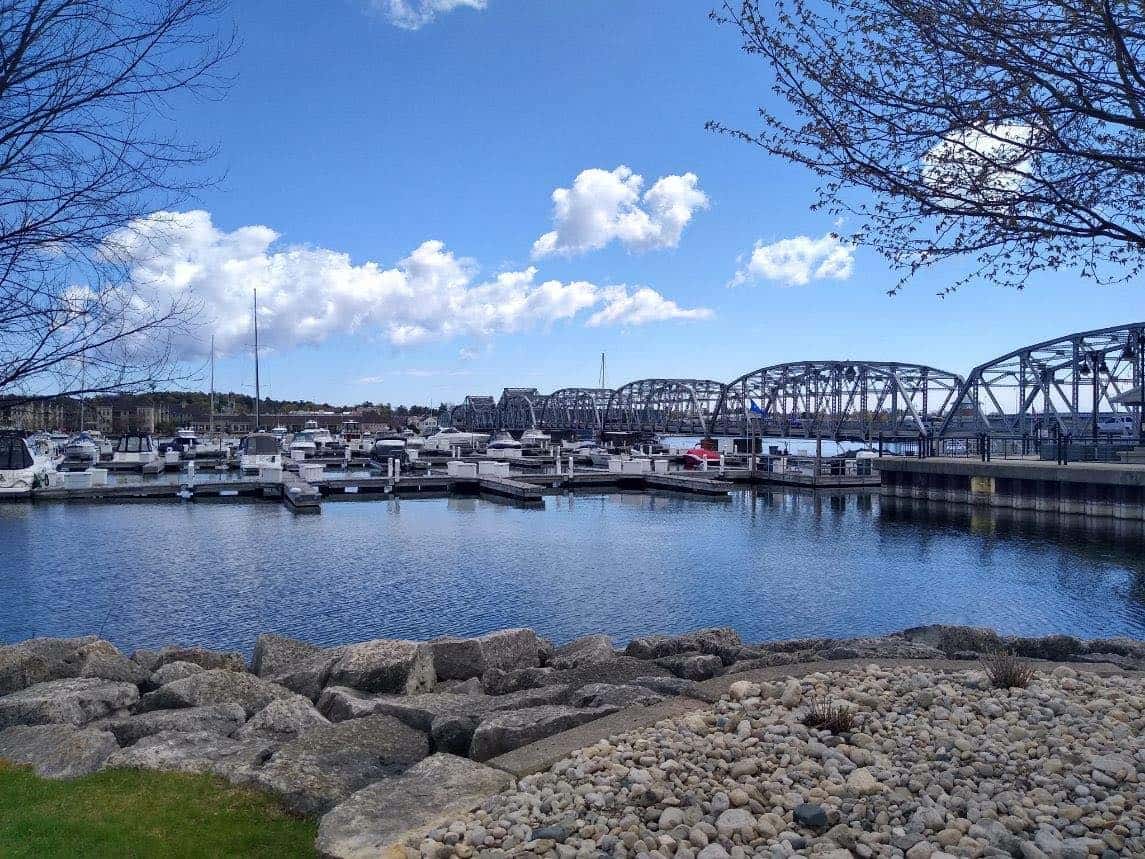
pixel 776 565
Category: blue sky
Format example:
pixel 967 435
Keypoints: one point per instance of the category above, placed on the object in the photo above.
pixel 348 142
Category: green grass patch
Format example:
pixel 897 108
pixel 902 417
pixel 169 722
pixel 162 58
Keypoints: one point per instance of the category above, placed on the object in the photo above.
pixel 130 813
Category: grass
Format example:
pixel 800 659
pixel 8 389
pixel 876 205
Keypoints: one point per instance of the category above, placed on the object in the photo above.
pixel 825 716
pixel 128 813
pixel 1007 671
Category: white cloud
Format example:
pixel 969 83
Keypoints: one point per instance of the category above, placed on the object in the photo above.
pixel 604 206
pixel 797 261
pixel 640 307
pixel 371 380
pixel 985 164
pixel 415 14
pixel 308 295
pixel 467 354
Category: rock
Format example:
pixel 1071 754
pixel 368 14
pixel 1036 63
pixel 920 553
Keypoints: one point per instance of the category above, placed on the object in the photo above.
pixel 862 782
pixel 504 731
pixel 693 667
pixel 38 660
pixel 734 820
pixel 743 689
pixel 810 815
pixel 214 686
pixel 506 650
pixel 472 686
pixel 609 695
pixel 219 719
pixel 277 654
pixel 1053 647
pixel 283 720
pixel 102 660
pixel 379 819
pixel 724 643
pixel 674 686
pixel 546 650
pixel 792 694
pixel 339 703
pixel 952 639
pixel 57 751
pixel 713 851
pixel 72 701
pixel 587 650
pixel 385 665
pixel 453 732
pixel 498 682
pixel 316 771
pixel 147 659
pixel 208 659
pixel 622 670
pixel 173 671
pixel 193 752
pixel 311 675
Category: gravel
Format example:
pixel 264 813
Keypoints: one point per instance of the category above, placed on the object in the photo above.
pixel 939 765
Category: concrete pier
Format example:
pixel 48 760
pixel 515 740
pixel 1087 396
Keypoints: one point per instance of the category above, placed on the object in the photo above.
pixel 1095 489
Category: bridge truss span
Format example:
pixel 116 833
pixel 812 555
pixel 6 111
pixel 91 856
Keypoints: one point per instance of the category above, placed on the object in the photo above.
pixel 668 406
pixel 579 410
pixel 847 400
pixel 1082 384
pixel 520 409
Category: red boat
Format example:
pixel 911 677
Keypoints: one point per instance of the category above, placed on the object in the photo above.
pixel 697 456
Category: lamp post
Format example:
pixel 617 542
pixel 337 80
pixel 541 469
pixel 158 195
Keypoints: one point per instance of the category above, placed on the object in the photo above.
pixel 1094 363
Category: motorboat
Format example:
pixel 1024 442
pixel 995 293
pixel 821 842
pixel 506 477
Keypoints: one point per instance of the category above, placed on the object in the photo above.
pixel 322 438
pixel 536 439
pixel 259 450
pixel 280 432
pixel 302 444
pixel 389 447
pixel 503 443
pixel 22 468
pixel 134 448
pixel 186 441
pixel 82 448
pixel 444 441
pixel 696 457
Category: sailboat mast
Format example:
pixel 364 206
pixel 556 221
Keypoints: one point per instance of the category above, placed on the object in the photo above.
pixel 212 429
pixel 257 389
pixel 602 374
pixel 83 385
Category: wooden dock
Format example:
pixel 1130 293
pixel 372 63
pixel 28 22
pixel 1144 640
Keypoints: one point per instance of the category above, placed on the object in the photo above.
pixel 300 496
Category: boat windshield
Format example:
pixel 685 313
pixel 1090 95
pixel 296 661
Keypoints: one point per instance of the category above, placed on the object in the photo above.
pixel 134 444
pixel 14 454
pixel 260 445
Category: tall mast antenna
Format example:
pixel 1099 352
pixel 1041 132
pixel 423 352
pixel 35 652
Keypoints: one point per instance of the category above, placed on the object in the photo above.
pixel 257 389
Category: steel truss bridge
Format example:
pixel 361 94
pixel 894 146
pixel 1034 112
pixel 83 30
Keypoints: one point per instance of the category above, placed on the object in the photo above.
pixel 1074 384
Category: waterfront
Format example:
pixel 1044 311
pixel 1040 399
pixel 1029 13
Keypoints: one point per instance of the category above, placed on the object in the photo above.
pixel 773 565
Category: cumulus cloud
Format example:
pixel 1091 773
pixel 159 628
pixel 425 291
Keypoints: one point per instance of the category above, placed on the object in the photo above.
pixel 641 306
pixel 985 164
pixel 415 14
pixel 797 261
pixel 309 294
pixel 604 206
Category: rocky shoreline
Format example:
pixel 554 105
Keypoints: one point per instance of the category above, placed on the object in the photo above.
pixel 359 732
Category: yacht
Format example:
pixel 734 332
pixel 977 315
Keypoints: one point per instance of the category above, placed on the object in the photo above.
pixel 136 448
pixel 389 447
pixel 22 468
pixel 280 432
pixel 535 438
pixel 321 436
pixel 259 450
pixel 503 443
pixel 447 439
pixel 82 448
pixel 303 443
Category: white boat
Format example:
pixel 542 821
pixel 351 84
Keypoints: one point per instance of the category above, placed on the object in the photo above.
pixel 447 439
pixel 259 450
pixel 535 438
pixel 134 448
pixel 280 432
pixel 303 443
pixel 392 447
pixel 22 469
pixel 503 442
pixel 82 448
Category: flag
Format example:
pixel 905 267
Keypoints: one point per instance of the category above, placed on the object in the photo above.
pixel 755 409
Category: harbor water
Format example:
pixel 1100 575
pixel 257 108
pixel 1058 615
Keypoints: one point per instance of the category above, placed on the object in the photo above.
pixel 771 564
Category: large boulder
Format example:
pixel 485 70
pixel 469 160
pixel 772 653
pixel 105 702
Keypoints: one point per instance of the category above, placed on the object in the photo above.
pixel 609 695
pixel 621 670
pixel 102 660
pixel 38 660
pixel 319 769
pixel 722 642
pixel 498 682
pixel 276 654
pixel 215 686
pixel 510 729
pixel 505 650
pixel 339 703
pixel 173 671
pixel 385 665
pixel 193 752
pixel 70 701
pixel 219 719
pixel 283 720
pixel 378 820
pixel 209 659
pixel 57 751
pixel 1054 647
pixel 954 639
pixel 589 650
pixel 310 675
pixel 674 687
pixel 693 666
